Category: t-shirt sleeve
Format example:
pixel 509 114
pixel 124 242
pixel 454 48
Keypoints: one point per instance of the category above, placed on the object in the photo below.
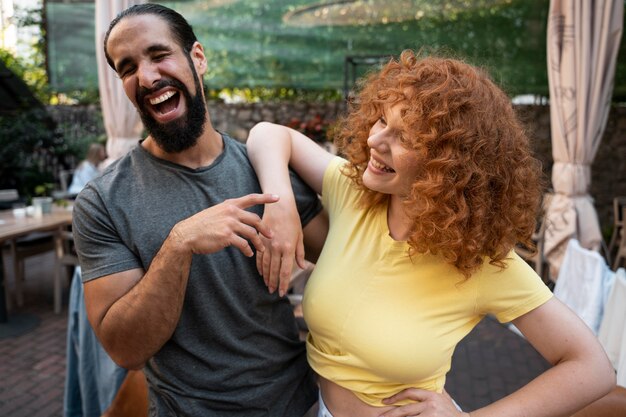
pixel 336 192
pixel 511 292
pixel 307 200
pixel 100 249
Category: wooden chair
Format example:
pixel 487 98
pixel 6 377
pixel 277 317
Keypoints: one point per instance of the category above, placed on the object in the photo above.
pixel 8 197
pixel 65 178
pixel 22 248
pixel 32 245
pixel 66 261
pixel 536 258
pixel 618 240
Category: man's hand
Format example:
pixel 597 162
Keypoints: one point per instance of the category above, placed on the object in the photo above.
pixel 225 224
pixel 275 264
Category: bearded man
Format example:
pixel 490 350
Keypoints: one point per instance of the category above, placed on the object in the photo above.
pixel 166 238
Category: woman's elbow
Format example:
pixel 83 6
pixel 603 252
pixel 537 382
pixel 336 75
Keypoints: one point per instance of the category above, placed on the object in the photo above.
pixel 610 379
pixel 260 126
pixel 605 377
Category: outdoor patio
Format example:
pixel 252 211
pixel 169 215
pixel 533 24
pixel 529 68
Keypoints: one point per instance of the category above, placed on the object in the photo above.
pixel 490 363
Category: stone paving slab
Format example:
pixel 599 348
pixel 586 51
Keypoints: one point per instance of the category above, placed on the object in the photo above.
pixel 490 363
pixel 32 368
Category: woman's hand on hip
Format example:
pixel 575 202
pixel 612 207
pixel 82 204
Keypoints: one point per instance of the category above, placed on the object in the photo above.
pixel 427 404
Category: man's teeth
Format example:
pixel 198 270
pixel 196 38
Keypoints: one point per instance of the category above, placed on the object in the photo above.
pixel 380 166
pixel 162 97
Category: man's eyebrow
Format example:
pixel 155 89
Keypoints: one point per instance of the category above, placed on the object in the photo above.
pixel 157 48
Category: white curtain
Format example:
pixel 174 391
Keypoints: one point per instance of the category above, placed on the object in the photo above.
pixel 121 121
pixel 583 41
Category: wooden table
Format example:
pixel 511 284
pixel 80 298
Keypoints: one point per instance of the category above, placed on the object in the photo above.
pixel 12 227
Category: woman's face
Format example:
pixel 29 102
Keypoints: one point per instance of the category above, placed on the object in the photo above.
pixel 392 167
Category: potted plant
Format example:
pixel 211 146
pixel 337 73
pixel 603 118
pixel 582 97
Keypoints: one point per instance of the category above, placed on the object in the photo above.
pixel 43 198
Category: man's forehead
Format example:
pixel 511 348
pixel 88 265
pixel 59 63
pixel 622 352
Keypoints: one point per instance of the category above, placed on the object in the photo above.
pixel 140 34
pixel 130 26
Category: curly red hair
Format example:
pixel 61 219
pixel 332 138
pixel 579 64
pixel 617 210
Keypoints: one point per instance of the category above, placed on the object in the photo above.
pixel 479 187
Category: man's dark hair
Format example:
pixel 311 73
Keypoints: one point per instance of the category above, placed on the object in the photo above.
pixel 181 29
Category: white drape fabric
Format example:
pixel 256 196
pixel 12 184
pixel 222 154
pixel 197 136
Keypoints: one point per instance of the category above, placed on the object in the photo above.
pixel 121 121
pixel 584 283
pixel 612 332
pixel 583 42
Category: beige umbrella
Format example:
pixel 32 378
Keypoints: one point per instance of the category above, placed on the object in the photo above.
pixel 583 41
pixel 371 12
pixel 121 121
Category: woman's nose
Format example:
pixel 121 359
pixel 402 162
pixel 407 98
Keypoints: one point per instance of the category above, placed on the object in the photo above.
pixel 377 141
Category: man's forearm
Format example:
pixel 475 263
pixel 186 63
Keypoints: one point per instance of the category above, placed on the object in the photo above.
pixel 137 325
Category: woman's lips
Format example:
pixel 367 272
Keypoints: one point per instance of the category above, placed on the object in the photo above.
pixel 380 166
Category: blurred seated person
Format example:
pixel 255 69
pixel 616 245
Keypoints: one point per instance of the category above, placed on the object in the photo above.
pixel 87 169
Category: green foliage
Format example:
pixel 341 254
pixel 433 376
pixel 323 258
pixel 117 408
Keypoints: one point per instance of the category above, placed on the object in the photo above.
pixel 90 95
pixel 32 73
pixel 32 67
pixel 265 94
pixel 71 53
pixel 44 190
pixel 249 45
pixel 79 129
pixel 27 140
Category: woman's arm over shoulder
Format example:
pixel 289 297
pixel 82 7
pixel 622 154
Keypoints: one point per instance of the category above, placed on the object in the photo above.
pixel 271 147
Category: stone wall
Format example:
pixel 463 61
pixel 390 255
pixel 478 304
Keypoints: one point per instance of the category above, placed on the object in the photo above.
pixel 608 169
pixel 238 119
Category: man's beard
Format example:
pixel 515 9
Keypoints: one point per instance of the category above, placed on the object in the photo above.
pixel 182 133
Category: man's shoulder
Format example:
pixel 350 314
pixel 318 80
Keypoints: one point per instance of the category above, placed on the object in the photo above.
pixel 108 180
pixel 234 146
pixel 236 155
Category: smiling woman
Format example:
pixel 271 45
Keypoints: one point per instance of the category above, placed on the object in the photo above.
pixel 425 211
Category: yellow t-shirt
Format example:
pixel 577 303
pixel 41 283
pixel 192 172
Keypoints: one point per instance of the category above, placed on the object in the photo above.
pixel 381 321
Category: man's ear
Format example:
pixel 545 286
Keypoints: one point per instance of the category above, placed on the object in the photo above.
pixel 198 57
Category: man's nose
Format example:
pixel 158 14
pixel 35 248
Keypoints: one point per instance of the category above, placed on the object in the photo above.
pixel 148 75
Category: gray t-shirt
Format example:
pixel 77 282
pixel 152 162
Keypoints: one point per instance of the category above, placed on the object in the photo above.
pixel 235 350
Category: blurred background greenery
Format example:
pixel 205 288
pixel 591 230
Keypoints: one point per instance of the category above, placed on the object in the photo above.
pixel 260 50
pixel 256 46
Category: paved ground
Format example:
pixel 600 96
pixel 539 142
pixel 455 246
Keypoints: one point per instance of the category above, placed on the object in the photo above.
pixel 491 362
pixel 32 366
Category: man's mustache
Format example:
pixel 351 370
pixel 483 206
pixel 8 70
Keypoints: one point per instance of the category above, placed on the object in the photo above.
pixel 142 92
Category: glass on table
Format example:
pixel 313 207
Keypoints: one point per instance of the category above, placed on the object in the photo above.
pixel 19 210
